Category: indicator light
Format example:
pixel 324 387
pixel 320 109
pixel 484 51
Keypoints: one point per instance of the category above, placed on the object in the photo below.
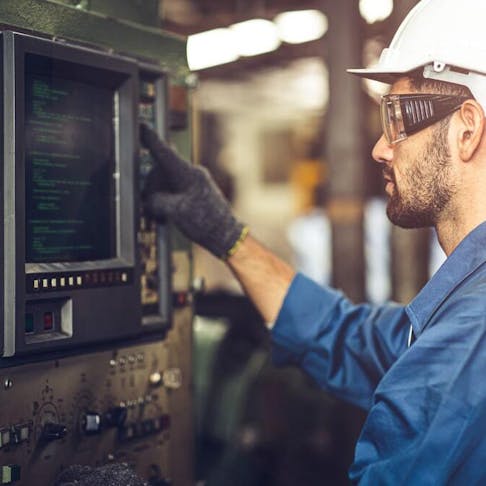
pixel 48 321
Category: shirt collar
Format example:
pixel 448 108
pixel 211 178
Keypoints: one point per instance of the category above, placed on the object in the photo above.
pixel 467 257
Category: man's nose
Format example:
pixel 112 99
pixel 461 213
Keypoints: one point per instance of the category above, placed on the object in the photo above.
pixel 382 151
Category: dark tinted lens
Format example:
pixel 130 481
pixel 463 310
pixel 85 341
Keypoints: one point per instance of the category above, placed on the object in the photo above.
pixel 422 110
pixel 403 115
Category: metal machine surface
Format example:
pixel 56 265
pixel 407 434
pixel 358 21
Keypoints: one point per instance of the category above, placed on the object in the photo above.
pixel 96 341
pixel 124 405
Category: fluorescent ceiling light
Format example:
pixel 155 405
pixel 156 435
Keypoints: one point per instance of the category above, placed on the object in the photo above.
pixel 301 26
pixel 211 48
pixel 374 10
pixel 255 36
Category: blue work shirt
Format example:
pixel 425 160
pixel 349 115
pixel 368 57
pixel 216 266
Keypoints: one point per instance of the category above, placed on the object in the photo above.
pixel 426 403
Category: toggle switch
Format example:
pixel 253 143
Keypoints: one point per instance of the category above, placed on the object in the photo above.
pixel 91 423
pixel 29 323
pixel 10 474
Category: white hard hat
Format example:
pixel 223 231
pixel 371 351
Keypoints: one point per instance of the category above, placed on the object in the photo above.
pixel 445 37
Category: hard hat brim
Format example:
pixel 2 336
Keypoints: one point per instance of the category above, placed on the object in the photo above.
pixel 388 77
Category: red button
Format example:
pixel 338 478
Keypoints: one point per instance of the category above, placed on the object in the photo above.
pixel 48 321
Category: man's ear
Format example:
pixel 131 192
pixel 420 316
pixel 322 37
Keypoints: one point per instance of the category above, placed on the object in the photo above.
pixel 470 129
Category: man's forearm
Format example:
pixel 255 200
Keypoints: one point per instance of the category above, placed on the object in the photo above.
pixel 264 277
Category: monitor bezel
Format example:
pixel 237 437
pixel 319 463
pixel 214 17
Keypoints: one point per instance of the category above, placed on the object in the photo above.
pixel 16 271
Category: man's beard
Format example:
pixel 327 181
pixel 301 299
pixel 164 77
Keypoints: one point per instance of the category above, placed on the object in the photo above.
pixel 426 189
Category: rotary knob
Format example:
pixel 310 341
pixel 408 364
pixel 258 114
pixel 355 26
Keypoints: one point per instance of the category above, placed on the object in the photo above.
pixel 52 431
pixel 91 423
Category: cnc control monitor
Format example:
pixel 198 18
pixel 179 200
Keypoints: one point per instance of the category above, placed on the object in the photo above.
pixel 71 274
pixel 70 165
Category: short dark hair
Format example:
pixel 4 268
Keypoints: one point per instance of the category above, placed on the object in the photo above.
pixel 426 85
pixel 422 84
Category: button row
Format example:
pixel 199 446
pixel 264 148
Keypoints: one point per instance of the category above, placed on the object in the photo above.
pixel 98 278
pixel 131 359
pixel 145 428
pixel 41 322
pixel 15 434
pixel 52 283
pixel 137 402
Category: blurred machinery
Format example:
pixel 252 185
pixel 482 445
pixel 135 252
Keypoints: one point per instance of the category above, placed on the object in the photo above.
pixel 96 333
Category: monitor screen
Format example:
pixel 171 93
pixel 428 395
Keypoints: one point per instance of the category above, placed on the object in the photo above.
pixel 70 165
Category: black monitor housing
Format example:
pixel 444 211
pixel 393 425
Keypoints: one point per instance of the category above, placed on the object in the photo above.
pixel 70 196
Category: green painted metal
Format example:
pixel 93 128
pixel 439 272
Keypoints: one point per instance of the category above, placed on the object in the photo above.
pixel 182 139
pixel 60 18
pixel 114 25
pixel 141 11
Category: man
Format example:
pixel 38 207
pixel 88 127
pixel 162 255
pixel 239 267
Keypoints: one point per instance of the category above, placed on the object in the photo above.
pixel 417 369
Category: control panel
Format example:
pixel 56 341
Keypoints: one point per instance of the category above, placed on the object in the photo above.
pixel 91 409
pixel 153 238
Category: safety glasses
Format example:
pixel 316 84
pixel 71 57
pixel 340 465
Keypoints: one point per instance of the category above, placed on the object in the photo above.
pixel 403 115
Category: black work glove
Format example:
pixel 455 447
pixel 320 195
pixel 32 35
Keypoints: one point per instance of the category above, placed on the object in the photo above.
pixel 187 195
pixel 108 475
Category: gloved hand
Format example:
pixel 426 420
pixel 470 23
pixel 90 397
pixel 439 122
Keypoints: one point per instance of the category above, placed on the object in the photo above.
pixel 108 475
pixel 187 195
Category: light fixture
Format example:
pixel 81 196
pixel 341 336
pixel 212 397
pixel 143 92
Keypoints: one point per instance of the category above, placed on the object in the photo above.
pixel 255 36
pixel 374 10
pixel 211 48
pixel 301 26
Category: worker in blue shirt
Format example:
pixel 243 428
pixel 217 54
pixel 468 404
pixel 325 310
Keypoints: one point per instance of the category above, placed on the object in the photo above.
pixel 416 369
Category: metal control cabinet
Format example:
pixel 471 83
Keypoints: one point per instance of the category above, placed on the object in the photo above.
pixel 125 404
pixel 126 399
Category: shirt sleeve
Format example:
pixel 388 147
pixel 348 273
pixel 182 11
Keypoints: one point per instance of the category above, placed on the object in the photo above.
pixel 345 348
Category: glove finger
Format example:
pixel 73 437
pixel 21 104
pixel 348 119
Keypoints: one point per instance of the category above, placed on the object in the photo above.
pixel 176 171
